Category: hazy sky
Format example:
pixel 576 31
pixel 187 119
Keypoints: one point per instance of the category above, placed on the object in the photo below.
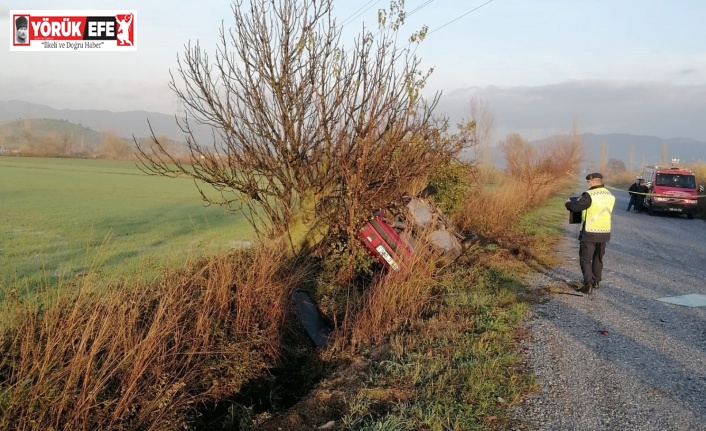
pixel 625 66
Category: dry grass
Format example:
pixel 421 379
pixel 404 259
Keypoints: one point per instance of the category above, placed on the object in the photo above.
pixel 143 357
pixel 533 175
pixel 493 208
pixel 622 180
pixel 699 170
pixel 394 299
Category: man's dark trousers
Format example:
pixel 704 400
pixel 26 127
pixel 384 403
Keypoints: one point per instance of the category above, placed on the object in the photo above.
pixel 591 260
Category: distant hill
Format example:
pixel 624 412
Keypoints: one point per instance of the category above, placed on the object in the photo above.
pixel 123 124
pixel 12 133
pixel 645 149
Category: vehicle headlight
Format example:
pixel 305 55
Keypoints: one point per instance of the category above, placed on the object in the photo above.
pixel 661 199
pixel 690 201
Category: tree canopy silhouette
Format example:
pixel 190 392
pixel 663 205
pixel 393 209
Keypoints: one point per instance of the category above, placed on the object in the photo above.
pixel 307 133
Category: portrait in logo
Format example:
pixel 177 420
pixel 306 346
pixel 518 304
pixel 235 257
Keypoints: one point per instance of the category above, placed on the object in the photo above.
pixel 21 30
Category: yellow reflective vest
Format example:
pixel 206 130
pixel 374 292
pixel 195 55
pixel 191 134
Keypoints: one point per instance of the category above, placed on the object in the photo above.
pixel 597 217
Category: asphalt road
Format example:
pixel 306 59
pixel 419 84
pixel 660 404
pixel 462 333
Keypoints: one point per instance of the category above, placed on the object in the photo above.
pixel 619 359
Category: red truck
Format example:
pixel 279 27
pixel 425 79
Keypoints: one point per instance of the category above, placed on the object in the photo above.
pixel 671 189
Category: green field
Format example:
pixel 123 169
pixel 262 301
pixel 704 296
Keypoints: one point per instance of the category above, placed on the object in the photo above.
pixel 61 218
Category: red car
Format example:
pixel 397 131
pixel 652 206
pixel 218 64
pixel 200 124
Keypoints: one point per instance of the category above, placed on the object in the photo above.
pixel 384 243
pixel 392 238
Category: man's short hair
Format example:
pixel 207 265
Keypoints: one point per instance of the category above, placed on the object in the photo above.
pixel 594 175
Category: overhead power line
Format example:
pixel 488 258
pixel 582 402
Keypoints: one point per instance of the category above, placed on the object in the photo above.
pixel 459 17
pixel 418 8
pixel 367 6
pixel 426 3
pixel 361 10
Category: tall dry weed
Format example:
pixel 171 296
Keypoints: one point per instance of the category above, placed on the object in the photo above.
pixel 144 357
pixel 622 180
pixel 392 300
pixel 492 208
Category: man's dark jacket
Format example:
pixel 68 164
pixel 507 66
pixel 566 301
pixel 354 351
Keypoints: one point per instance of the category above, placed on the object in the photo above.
pixel 582 204
pixel 635 187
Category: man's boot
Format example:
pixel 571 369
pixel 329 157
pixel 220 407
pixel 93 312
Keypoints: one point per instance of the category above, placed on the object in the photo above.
pixel 586 288
pixel 595 285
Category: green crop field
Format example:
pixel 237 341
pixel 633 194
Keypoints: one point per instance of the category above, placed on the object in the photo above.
pixel 64 218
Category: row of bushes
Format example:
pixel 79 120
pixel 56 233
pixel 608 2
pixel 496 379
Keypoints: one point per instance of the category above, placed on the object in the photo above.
pixel 109 146
pixel 533 175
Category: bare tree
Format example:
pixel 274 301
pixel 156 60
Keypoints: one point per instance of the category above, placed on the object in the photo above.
pixel 567 152
pixel 603 160
pixel 615 167
pixel 480 128
pixel 306 133
pixel 27 141
pixel 663 154
pixel 521 157
pixel 556 162
pixel 113 147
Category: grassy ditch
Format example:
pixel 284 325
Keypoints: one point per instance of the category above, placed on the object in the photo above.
pixel 214 345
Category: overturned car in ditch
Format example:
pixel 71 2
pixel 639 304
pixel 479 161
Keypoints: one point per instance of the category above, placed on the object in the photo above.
pixel 394 233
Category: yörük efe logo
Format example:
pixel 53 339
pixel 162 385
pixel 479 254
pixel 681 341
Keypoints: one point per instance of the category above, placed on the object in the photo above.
pixel 78 30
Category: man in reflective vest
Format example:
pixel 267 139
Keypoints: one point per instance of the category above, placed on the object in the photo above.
pixel 596 207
